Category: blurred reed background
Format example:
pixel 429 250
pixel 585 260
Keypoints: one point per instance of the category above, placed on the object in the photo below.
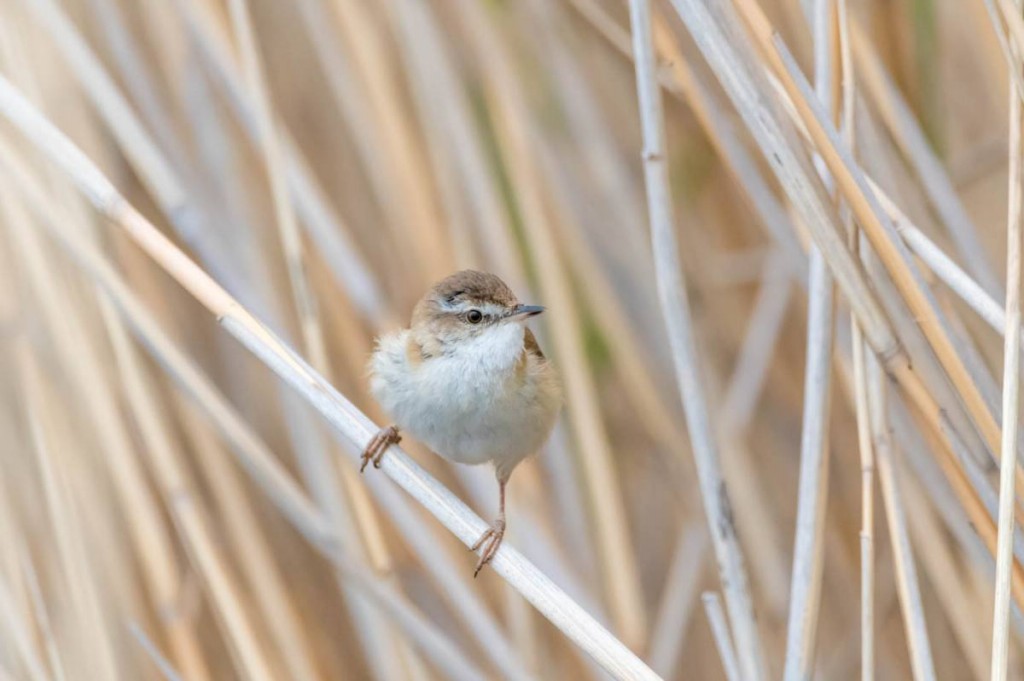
pixel 169 508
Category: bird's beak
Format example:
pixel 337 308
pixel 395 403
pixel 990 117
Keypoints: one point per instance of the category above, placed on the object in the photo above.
pixel 521 312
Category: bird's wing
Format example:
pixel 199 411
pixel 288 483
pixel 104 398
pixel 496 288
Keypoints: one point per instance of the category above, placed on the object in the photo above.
pixel 530 343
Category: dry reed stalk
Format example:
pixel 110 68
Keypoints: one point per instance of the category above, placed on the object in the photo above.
pixel 478 623
pixel 628 356
pixel 867 472
pixel 269 595
pixel 969 486
pixel 980 514
pixel 720 630
pixel 713 46
pixel 930 475
pixel 521 623
pixel 973 463
pixel 345 418
pixel 942 266
pixel 808 549
pixel 757 524
pixel 858 351
pixel 610 317
pixel 1011 385
pixel 919 241
pixel 945 269
pixel 570 506
pixel 675 308
pixel 909 591
pixel 305 303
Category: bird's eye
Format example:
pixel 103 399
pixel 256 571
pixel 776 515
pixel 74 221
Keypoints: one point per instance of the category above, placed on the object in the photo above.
pixel 474 316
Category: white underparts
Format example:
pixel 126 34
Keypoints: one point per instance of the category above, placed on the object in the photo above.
pixel 473 402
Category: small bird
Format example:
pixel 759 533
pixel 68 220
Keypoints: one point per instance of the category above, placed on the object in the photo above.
pixel 468 380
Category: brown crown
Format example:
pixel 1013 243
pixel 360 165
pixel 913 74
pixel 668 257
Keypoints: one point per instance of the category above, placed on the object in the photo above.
pixel 479 287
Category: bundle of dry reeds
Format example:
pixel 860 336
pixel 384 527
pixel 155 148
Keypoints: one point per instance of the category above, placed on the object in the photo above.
pixel 778 241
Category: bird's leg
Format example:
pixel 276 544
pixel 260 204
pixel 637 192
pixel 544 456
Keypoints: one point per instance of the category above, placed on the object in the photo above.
pixel 374 451
pixel 491 539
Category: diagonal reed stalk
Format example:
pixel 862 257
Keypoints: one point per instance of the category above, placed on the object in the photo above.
pixel 348 422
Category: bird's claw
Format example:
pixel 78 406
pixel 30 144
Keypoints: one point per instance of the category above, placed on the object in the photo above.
pixel 490 541
pixel 374 451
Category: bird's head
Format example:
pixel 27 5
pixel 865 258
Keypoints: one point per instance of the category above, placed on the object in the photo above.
pixel 470 305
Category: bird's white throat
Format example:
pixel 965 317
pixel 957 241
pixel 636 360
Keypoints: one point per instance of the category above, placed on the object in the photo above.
pixel 495 350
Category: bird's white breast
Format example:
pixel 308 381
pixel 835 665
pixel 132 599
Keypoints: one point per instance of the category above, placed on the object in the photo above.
pixel 474 401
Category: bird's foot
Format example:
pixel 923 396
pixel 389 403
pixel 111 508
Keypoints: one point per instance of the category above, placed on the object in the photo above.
pixel 374 451
pixel 490 541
